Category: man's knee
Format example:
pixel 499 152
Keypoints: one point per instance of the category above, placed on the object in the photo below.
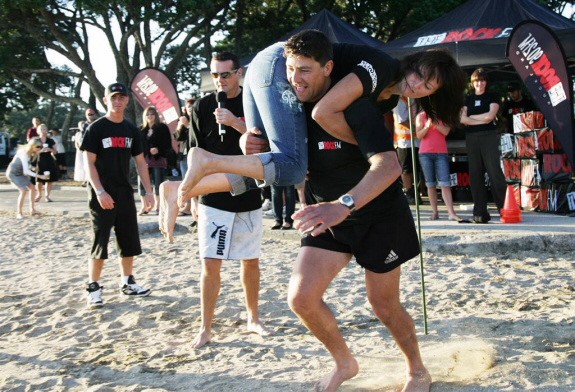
pixel 211 267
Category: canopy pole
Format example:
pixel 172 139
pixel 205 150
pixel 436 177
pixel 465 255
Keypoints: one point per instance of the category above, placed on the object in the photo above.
pixel 410 104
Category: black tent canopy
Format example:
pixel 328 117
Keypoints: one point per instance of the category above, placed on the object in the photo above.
pixel 476 33
pixel 325 21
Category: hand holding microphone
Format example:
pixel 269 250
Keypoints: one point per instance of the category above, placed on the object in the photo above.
pixel 222 98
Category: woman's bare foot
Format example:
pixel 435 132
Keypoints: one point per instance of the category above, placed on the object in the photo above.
pixel 168 211
pixel 259 328
pixel 202 338
pixel 420 382
pixel 338 376
pixel 198 167
pixel 35 212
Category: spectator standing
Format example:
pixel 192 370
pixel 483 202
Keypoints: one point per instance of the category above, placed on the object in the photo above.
pixel 283 196
pixel 185 140
pixel 46 163
pixel 19 172
pixel 79 164
pixel 482 142
pixel 514 104
pixel 56 135
pixel 434 161
pixel 157 142
pixel 402 139
pixel 108 145
pixel 228 227
pixel 32 131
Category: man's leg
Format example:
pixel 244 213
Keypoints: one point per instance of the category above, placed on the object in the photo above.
pixel 312 273
pixel 95 267
pixel 250 272
pixel 383 295
pixel 127 266
pixel 210 284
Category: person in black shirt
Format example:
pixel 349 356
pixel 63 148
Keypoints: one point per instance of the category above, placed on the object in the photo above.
pixel 482 143
pixel 109 144
pixel 228 227
pixel 514 104
pixel 358 210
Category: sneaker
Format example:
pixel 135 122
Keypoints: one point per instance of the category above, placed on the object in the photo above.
pixel 132 288
pixel 485 218
pixel 267 205
pixel 94 299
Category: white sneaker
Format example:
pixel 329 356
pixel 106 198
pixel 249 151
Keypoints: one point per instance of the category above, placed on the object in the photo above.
pixel 132 288
pixel 94 298
pixel 267 205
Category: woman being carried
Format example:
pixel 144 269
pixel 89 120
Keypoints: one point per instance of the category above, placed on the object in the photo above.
pixel 271 106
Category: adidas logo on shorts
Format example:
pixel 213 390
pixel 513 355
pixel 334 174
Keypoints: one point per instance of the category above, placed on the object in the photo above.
pixel 392 256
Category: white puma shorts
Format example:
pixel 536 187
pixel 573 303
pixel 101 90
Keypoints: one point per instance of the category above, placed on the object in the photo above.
pixel 229 235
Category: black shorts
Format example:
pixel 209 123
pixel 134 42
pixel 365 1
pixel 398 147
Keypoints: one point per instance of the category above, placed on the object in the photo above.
pixel 122 218
pixel 405 159
pixel 379 246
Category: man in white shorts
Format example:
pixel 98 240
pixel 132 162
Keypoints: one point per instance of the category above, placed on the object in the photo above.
pixel 228 227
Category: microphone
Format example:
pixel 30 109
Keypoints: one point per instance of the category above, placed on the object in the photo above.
pixel 222 97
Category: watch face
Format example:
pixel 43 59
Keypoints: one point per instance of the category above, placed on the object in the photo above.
pixel 347 200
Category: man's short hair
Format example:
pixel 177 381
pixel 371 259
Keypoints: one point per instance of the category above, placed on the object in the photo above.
pixel 226 56
pixel 310 43
pixel 513 87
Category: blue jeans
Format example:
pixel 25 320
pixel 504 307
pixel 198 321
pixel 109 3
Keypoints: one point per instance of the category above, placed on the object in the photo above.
pixel 184 165
pixel 271 105
pixel 435 168
pixel 278 193
pixel 157 176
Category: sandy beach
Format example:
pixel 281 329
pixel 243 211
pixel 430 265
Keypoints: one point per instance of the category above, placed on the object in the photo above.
pixel 500 308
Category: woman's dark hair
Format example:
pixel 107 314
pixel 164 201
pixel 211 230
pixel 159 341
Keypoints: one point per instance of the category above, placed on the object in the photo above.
pixel 446 103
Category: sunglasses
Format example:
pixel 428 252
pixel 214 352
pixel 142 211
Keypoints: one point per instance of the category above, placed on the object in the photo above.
pixel 38 147
pixel 224 75
pixel 91 114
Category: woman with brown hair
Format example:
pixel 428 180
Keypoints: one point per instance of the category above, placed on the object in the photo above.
pixel 157 141
pixel 482 142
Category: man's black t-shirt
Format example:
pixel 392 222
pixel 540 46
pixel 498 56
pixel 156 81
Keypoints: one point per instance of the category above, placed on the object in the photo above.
pixel 511 107
pixel 114 145
pixel 206 131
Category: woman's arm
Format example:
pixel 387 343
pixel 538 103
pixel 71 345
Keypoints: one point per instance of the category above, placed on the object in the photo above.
pixel 421 126
pixel 328 112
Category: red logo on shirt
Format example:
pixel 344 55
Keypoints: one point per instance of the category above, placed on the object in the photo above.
pixel 329 145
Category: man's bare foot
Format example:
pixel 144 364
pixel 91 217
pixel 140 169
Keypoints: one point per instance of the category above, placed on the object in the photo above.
pixel 259 328
pixel 168 211
pixel 198 166
pixel 202 338
pixel 338 376
pixel 420 382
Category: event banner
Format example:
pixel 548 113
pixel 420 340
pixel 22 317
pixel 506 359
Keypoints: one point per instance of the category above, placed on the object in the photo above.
pixel 152 87
pixel 539 59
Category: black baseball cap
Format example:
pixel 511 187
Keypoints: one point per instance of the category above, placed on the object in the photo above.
pixel 513 87
pixel 116 88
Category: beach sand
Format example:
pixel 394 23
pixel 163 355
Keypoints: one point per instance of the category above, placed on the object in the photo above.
pixel 501 317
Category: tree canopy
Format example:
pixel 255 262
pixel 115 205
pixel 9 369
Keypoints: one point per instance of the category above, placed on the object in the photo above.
pixel 176 36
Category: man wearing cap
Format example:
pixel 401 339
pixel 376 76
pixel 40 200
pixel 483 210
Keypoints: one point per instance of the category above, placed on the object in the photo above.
pixel 515 103
pixel 108 146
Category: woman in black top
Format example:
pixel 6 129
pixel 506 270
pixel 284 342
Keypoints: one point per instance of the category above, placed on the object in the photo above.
pixel 157 142
pixel 46 163
pixel 482 141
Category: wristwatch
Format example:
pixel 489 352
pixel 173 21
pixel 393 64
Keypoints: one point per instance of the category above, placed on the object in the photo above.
pixel 347 201
pixel 99 192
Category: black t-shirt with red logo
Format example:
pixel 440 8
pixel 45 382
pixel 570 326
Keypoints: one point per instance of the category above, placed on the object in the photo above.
pixel 114 144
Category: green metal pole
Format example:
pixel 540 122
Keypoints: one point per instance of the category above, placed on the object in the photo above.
pixel 417 214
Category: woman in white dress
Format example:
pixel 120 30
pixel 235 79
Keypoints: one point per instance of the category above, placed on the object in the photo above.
pixel 79 172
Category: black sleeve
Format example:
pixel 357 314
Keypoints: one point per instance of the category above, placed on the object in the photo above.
pixel 164 140
pixel 195 133
pixel 368 126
